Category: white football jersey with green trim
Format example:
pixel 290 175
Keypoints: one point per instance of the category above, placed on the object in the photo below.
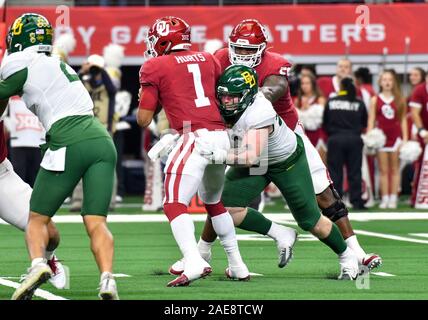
pixel 52 90
pixel 282 141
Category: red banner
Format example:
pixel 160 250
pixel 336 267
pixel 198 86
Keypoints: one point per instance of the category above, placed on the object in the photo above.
pixel 321 29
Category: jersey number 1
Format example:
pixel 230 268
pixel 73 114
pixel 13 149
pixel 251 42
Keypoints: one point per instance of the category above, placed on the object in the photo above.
pixel 201 100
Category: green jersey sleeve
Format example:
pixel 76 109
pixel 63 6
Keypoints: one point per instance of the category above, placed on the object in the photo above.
pixel 13 85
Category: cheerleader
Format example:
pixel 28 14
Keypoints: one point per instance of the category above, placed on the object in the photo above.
pixel 310 105
pixel 388 113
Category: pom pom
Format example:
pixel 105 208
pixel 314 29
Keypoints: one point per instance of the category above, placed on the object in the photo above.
pixel 374 139
pixel 410 151
pixel 113 55
pixel 122 103
pixel 211 46
pixel 65 44
pixel 311 118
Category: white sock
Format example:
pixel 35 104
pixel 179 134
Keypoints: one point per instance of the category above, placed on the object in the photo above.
pixel 49 254
pixel 385 198
pixel 225 229
pixel 393 198
pixel 282 233
pixel 275 231
pixel 37 261
pixel 345 254
pixel 106 275
pixel 183 230
pixel 204 246
pixel 352 243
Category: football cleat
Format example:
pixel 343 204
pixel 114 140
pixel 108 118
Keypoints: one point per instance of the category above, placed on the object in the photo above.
pixel 240 273
pixel 372 261
pixel 190 274
pixel 178 267
pixel 285 249
pixel 349 268
pixel 59 277
pixel 36 276
pixel 108 288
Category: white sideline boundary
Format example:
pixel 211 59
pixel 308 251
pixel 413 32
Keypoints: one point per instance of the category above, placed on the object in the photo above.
pixel 39 292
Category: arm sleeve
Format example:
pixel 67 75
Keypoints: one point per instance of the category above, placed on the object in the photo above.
pixel 417 98
pixel 325 117
pixel 148 98
pixel 13 85
pixel 111 91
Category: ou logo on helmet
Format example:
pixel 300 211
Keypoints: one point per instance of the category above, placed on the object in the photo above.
pixel 388 112
pixel 162 28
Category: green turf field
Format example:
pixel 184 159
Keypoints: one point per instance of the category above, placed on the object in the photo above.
pixel 144 251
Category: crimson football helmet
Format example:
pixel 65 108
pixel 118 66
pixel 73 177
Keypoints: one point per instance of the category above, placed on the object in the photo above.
pixel 248 34
pixel 167 34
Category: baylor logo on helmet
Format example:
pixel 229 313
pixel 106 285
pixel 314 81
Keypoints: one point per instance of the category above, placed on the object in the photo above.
pixel 249 78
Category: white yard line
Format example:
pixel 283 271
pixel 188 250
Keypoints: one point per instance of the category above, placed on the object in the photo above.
pixel 422 235
pixel 39 292
pixel 389 236
pixel 383 274
pixel 121 275
pixel 256 274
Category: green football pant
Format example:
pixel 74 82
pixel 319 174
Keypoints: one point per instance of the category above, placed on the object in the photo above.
pixel 93 161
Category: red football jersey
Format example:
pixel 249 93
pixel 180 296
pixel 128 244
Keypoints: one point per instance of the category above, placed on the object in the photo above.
pixel 3 148
pixel 419 99
pixel 272 64
pixel 185 84
pixel 387 119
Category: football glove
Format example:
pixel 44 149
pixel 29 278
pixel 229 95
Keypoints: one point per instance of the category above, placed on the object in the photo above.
pixel 163 147
pixel 210 151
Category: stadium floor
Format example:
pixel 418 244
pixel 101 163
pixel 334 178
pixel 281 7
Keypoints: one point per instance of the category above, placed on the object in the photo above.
pixel 144 251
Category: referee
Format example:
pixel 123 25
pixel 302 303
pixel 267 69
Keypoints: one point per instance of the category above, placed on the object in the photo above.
pixel 345 117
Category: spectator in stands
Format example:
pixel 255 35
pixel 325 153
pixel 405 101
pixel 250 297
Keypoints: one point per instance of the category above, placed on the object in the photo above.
pixel 388 113
pixel 416 76
pixel 310 104
pixel 363 80
pixel 26 135
pixel 345 117
pixel 330 85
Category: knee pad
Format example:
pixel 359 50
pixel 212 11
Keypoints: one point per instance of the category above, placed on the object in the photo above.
pixel 337 210
pixel 173 210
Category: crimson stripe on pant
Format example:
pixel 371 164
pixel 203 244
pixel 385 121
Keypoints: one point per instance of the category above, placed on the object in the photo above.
pixel 180 171
pixel 169 169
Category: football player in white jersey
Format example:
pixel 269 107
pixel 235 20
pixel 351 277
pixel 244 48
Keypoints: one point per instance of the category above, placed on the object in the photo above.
pixel 265 141
pixel 77 146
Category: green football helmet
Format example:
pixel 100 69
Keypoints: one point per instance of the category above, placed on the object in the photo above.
pixel 236 90
pixel 30 29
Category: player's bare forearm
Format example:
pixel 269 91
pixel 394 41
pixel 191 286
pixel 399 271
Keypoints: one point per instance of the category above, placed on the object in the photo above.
pixel 144 117
pixel 253 145
pixel 242 157
pixel 274 87
pixel 416 117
